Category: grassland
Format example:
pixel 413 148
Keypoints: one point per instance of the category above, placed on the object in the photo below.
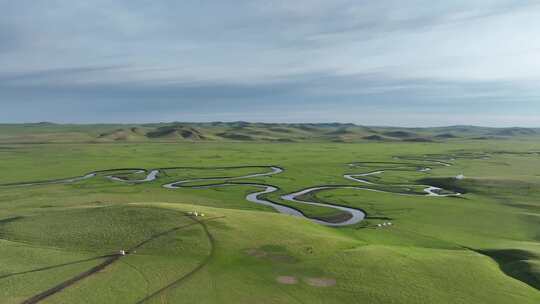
pixel 480 247
pixel 250 132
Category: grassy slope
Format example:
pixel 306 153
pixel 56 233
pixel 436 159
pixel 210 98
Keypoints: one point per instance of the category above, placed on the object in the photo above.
pixel 247 132
pixel 424 257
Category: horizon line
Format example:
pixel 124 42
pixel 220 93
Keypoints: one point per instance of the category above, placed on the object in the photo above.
pixel 260 122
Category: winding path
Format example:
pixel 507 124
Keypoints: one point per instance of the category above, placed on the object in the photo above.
pixel 112 258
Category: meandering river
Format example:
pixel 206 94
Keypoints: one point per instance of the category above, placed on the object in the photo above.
pixel 352 215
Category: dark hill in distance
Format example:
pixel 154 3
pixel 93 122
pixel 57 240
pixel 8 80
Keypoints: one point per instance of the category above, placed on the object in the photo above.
pixel 175 132
pixel 374 137
pixel 400 134
pixel 513 132
pixel 247 131
pixel 445 135
pixel 127 134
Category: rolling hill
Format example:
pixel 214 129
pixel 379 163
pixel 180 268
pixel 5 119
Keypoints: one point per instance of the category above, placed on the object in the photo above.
pixel 246 131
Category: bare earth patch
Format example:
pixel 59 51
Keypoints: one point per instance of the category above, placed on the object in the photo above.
pixel 256 252
pixel 274 257
pixel 282 258
pixel 289 280
pixel 320 282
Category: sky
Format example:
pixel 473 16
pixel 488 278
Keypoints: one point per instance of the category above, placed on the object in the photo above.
pixel 386 62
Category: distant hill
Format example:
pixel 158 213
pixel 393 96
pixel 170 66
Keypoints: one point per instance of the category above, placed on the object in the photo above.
pixel 445 135
pixel 513 132
pixel 45 132
pixel 374 137
pixel 127 134
pixel 400 134
pixel 175 132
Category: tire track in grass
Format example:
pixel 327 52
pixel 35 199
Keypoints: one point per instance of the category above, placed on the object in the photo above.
pixel 110 259
pixel 195 270
pixel 49 292
pixel 139 273
pixel 5 276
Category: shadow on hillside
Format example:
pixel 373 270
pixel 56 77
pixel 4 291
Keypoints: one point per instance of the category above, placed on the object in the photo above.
pixel 516 264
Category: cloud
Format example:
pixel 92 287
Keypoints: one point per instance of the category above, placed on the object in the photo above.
pixel 332 96
pixel 123 59
pixel 54 76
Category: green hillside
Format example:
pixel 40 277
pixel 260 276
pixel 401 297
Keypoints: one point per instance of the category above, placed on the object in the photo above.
pixel 60 237
pixel 245 131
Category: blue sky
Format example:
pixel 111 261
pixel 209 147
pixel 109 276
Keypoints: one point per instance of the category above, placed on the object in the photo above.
pixel 387 62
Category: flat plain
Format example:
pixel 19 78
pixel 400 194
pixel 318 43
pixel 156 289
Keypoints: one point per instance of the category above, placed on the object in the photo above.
pixel 474 240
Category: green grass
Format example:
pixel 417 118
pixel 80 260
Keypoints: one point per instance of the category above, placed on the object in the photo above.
pixel 248 132
pixel 481 248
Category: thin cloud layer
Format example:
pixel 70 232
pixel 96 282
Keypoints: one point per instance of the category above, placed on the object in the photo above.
pixel 473 62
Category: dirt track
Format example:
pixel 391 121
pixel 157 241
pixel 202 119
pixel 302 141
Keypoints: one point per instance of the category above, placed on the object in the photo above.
pixel 183 278
pixel 49 292
pixel 110 259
